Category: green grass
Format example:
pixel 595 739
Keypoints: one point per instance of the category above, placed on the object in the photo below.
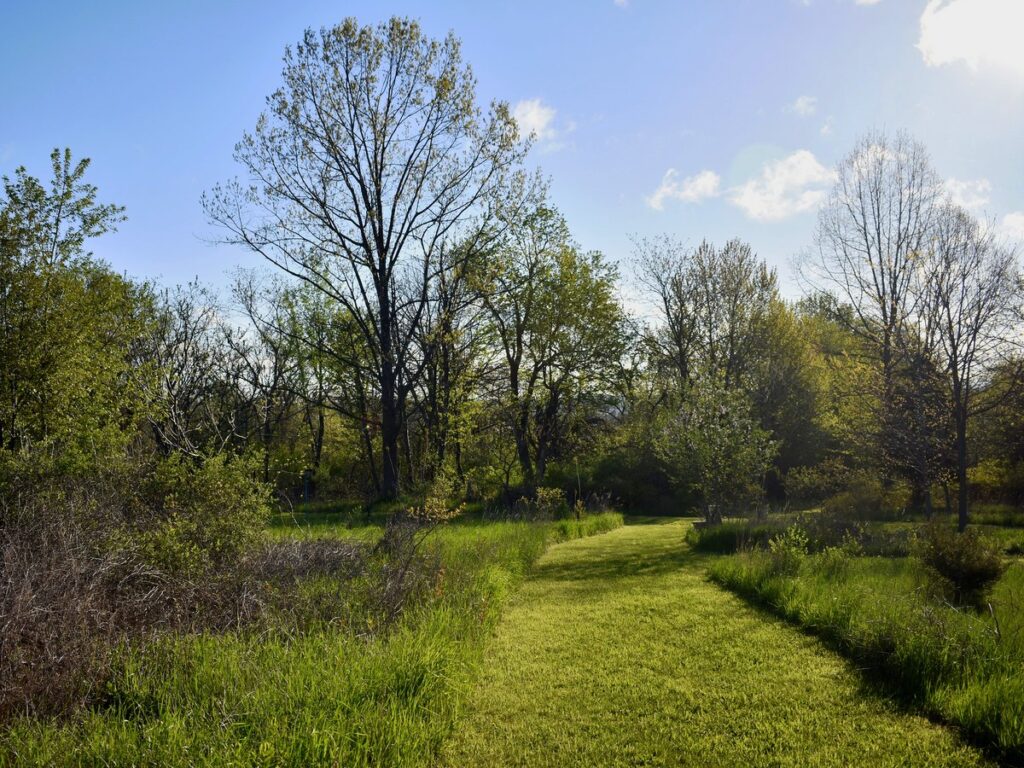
pixel 617 651
pixel 331 696
pixel 952 663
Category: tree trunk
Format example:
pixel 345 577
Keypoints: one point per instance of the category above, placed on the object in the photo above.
pixel 523 452
pixel 961 471
pixel 390 432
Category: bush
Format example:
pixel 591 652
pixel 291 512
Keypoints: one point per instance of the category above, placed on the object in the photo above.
pixel 90 562
pixel 817 483
pixel 787 551
pixel 865 498
pixel 206 513
pixel 550 503
pixel 962 566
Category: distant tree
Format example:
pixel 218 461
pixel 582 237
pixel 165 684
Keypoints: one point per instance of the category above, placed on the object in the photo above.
pixel 371 161
pixel 713 304
pixel 715 445
pixel 872 234
pixel 971 292
pixel 561 331
pixel 666 271
pixel 202 403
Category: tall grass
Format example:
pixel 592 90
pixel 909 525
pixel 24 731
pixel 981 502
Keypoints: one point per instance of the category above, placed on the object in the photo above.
pixel 334 695
pixel 963 666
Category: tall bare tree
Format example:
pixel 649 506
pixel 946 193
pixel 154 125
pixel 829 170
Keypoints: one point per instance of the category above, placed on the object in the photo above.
pixel 371 160
pixel 970 292
pixel 872 234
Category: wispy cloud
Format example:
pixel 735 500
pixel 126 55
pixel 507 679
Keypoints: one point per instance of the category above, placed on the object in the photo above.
pixel 969 194
pixel 982 34
pixel 535 118
pixel 1013 225
pixel 795 184
pixel 538 120
pixel 692 189
pixel 804 106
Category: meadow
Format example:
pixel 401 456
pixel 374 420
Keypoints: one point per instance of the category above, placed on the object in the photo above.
pixel 332 694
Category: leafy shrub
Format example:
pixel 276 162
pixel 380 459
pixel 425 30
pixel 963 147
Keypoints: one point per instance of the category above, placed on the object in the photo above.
pixel 963 566
pixel 989 479
pixel 816 483
pixel 787 551
pixel 550 503
pixel 865 498
pixel 207 513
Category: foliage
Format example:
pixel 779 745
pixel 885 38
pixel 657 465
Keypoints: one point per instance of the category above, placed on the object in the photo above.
pixel 716 447
pixel 818 482
pixel 787 551
pixel 863 499
pixel 72 389
pixel 964 565
pixel 206 513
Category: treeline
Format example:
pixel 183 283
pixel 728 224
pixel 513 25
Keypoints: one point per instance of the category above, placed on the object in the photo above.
pixel 427 314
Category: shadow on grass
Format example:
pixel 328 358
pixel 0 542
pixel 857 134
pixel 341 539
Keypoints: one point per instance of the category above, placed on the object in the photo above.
pixel 599 568
pixel 874 681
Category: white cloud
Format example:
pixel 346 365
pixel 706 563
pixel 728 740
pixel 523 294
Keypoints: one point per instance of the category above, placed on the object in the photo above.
pixel 805 106
pixel 622 3
pixel 692 189
pixel 969 194
pixel 868 2
pixel 535 118
pixel 1013 225
pixel 826 127
pixel 983 34
pixel 795 184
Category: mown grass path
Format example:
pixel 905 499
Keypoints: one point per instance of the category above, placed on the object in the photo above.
pixel 618 652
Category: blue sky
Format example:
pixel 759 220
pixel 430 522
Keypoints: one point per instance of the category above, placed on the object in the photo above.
pixel 735 110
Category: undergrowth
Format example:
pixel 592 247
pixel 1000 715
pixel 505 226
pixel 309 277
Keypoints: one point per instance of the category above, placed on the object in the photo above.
pixel 328 692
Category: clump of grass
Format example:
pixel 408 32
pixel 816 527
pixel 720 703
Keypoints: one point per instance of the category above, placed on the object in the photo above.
pixel 960 665
pixel 730 536
pixel 963 566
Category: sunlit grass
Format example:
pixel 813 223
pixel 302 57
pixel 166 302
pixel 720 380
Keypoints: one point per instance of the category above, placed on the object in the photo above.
pixel 332 696
pixel 966 667
pixel 617 651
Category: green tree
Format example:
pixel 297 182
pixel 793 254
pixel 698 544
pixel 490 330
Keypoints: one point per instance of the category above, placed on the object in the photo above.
pixel 715 446
pixel 71 386
pixel 372 160
pixel 561 332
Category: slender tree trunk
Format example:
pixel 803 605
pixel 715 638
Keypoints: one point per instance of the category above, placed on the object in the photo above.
pixel 390 434
pixel 961 471
pixel 368 447
pixel 523 450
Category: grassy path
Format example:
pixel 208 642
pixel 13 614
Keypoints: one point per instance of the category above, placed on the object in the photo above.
pixel 618 652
